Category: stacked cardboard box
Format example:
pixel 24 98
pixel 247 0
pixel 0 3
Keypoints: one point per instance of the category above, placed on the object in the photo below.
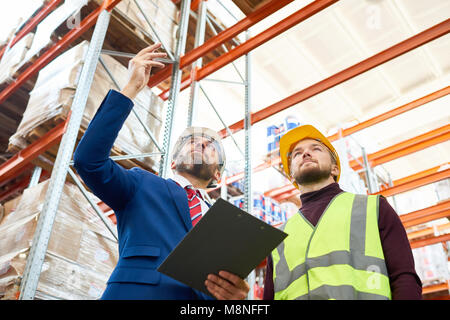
pixel 431 264
pixel 13 58
pixel 44 36
pixel 264 208
pixel 9 207
pixel 52 96
pixel 162 14
pixel 80 256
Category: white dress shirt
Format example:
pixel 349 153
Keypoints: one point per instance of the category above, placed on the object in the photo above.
pixel 183 182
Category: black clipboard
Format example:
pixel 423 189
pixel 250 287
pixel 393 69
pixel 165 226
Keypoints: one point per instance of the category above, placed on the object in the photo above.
pixel 226 238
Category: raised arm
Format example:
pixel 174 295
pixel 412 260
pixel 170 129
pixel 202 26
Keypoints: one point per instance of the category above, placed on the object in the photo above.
pixel 108 180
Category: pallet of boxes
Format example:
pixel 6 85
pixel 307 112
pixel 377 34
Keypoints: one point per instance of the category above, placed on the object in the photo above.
pixel 81 252
pixel 152 17
pixel 52 97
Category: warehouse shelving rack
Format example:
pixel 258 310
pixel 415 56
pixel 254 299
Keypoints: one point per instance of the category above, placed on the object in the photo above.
pixel 65 131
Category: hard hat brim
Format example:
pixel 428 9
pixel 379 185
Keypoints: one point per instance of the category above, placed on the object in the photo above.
pixel 292 137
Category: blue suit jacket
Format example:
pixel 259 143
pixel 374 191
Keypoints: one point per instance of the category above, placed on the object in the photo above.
pixel 152 213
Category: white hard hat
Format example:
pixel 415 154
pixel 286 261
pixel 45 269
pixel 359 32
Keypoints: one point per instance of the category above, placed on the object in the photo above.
pixel 206 133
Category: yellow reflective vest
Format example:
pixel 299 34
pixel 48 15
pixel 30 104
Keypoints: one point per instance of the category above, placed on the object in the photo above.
pixel 340 258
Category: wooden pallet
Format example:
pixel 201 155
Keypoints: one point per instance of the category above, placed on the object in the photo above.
pixel 47 159
pixel 248 6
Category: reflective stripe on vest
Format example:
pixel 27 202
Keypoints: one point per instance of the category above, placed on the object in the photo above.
pixel 340 258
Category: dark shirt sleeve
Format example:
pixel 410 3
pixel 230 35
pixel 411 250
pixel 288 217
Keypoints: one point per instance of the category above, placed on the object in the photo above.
pixel 404 281
pixel 109 181
pixel 268 280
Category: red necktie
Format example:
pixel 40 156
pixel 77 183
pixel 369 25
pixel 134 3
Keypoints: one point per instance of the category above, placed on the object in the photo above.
pixel 194 204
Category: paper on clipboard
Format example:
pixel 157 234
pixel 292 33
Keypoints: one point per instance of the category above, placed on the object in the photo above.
pixel 226 238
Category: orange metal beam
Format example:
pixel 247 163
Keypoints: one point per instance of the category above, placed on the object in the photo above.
pixel 391 113
pixel 429 241
pixel 438 211
pixel 105 208
pixel 427 231
pixel 195 4
pixel 227 34
pixel 293 192
pixel 414 184
pixel 443 297
pixel 21 185
pixel 401 149
pixel 416 176
pixel 56 49
pixel 395 51
pixel 280 190
pixel 398 186
pixel 240 26
pixel 33 22
pixel 435 288
pixel 406 147
pixel 15 189
pixel 363 125
pixel 185 83
pixel 254 42
pixel 29 167
pixel 13 166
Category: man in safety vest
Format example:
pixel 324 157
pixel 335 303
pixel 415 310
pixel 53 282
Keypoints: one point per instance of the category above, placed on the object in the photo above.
pixel 340 245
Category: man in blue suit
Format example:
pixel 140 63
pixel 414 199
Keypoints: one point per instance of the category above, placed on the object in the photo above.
pixel 153 214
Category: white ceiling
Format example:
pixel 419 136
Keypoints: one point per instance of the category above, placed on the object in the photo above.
pixel 332 40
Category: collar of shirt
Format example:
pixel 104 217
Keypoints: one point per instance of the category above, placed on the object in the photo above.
pixel 183 182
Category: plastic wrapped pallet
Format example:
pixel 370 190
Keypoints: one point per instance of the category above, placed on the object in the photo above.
pixel 132 138
pixel 80 256
pixel 53 94
pixel 10 206
pixel 162 14
pixel 431 264
pixel 13 57
pixel 44 32
pixel 443 189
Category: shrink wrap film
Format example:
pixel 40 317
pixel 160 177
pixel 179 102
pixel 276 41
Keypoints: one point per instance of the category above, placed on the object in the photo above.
pixel 10 206
pixel 162 14
pixel 43 37
pixel 431 264
pixel 53 94
pixel 13 57
pixel 80 255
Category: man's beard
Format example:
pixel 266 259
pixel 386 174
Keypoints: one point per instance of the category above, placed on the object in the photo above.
pixel 312 175
pixel 199 169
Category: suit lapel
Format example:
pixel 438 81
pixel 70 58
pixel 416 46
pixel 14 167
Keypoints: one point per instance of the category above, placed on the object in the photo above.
pixel 180 199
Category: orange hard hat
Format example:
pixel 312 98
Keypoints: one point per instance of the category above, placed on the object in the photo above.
pixel 292 137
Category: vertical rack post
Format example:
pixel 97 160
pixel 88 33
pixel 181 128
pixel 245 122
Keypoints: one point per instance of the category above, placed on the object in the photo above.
pixel 370 177
pixel 248 199
pixel 36 175
pixel 391 184
pixel 44 226
pixel 199 39
pixel 174 88
pixel 223 187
